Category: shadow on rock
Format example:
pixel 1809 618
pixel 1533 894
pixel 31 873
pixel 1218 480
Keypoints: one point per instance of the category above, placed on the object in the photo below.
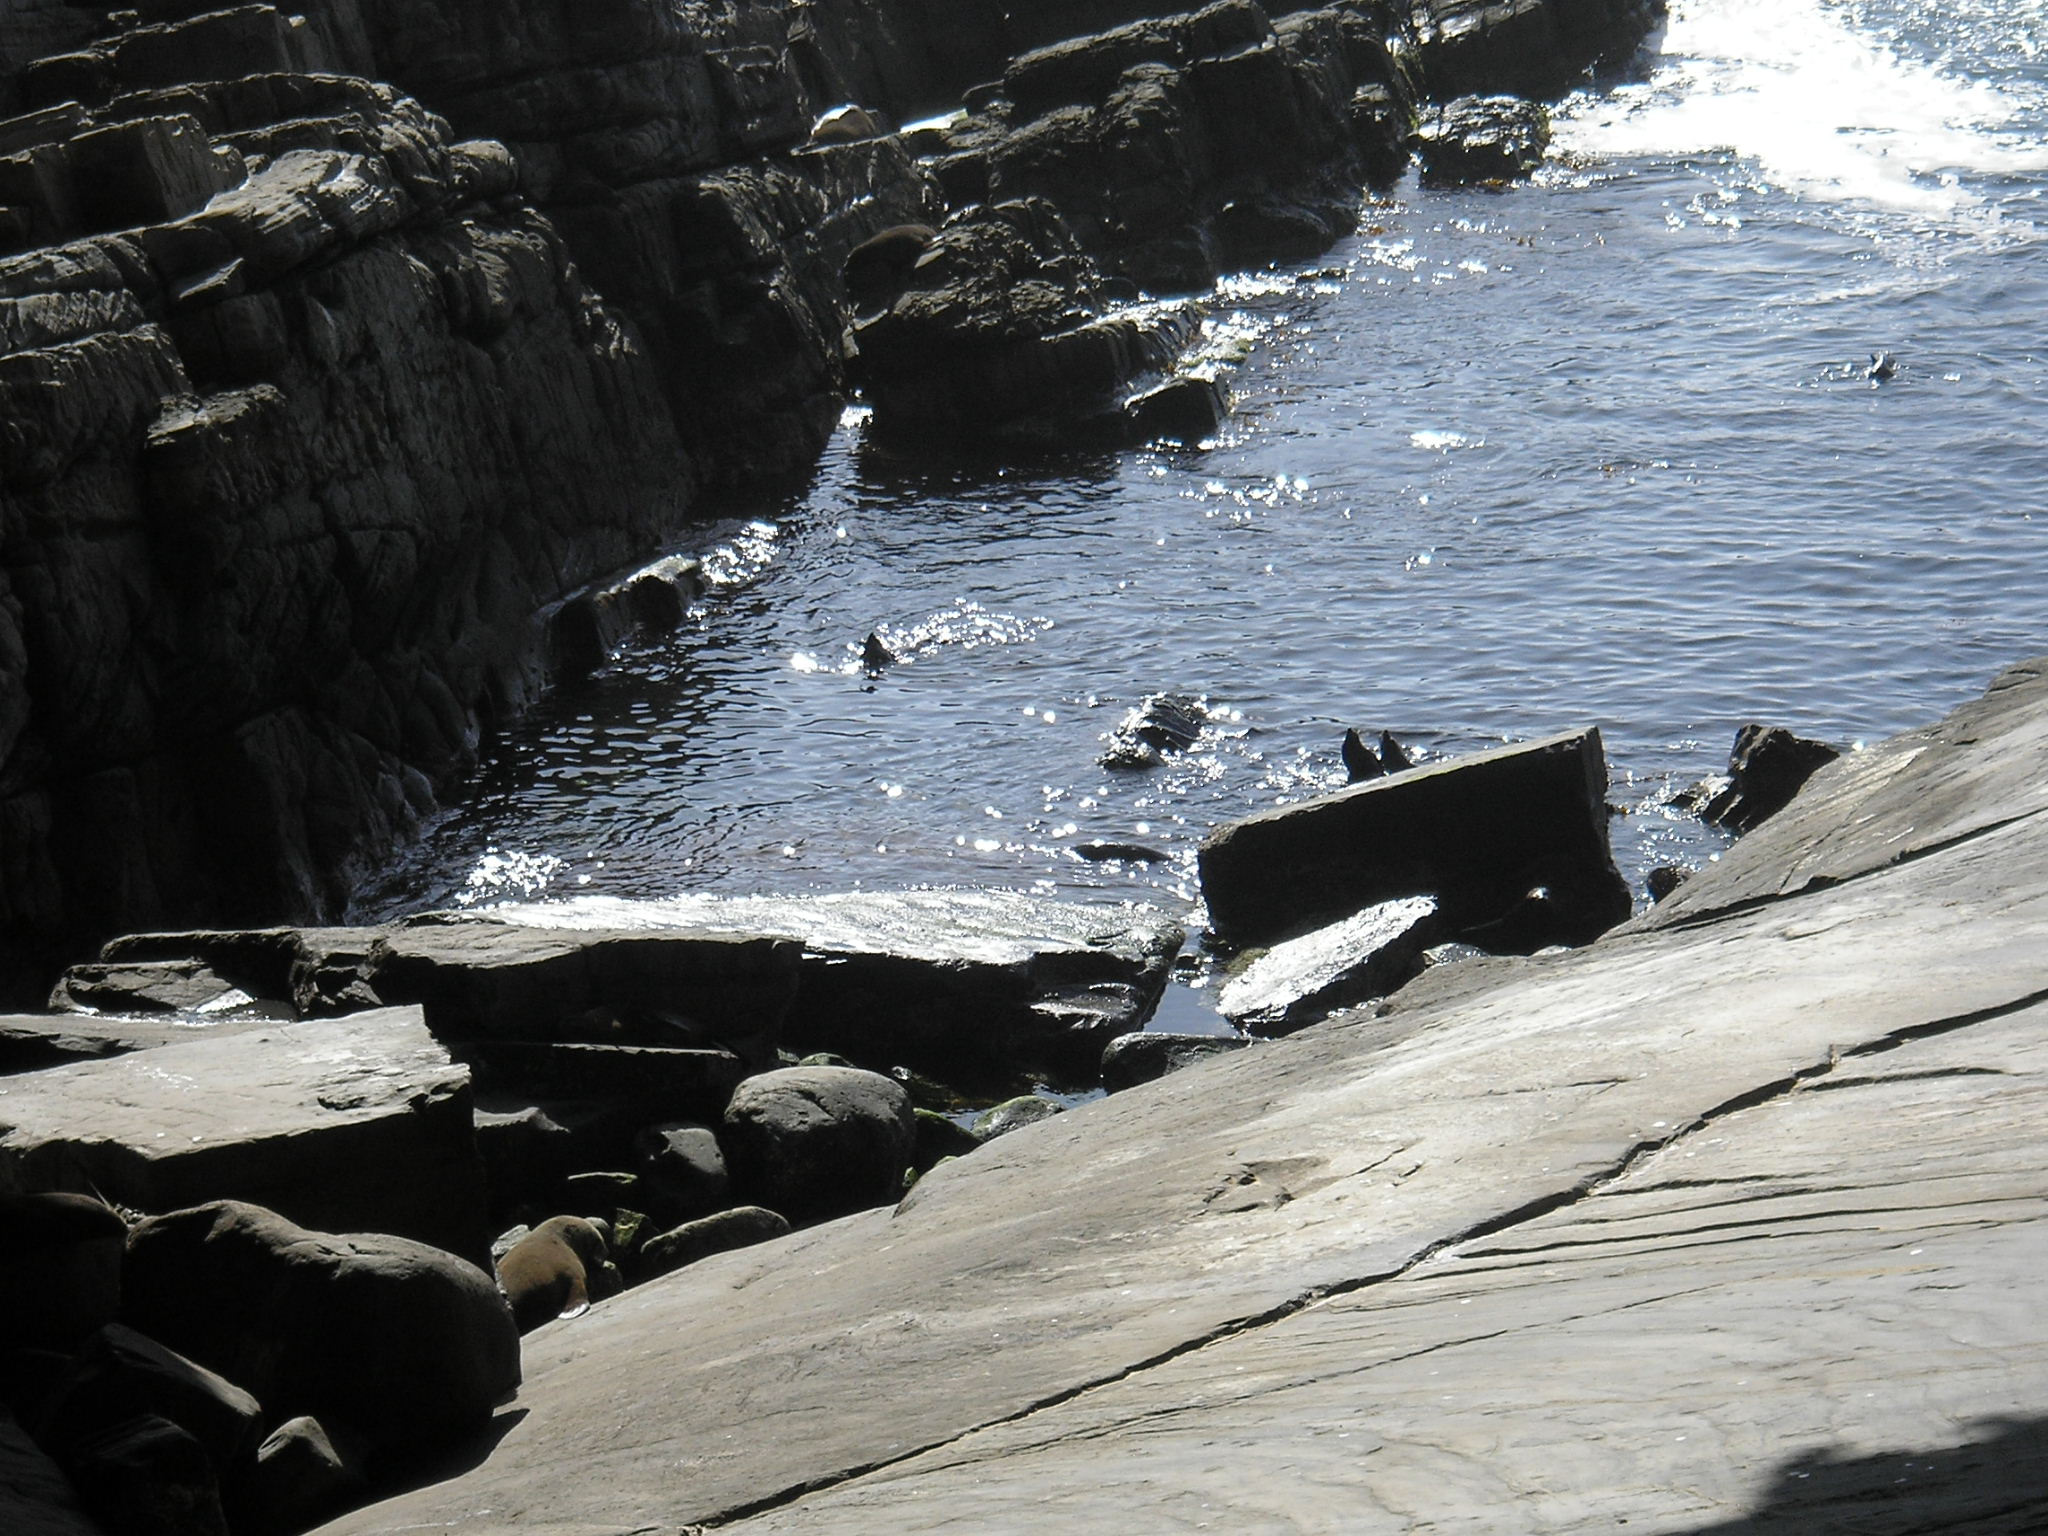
pixel 1995 1483
pixel 448 1460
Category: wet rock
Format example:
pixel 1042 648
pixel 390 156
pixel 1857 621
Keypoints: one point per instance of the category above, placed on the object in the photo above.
pixel 1767 767
pixel 965 987
pixel 354 1121
pixel 1483 140
pixel 402 1343
pixel 588 629
pixel 1540 48
pixel 819 1142
pixel 1014 1115
pixel 1004 332
pixel 1146 1056
pixel 1665 879
pixel 740 1227
pixel 557 1270
pixel 299 1476
pixel 60 1269
pixel 1161 723
pixel 1478 833
pixel 1301 980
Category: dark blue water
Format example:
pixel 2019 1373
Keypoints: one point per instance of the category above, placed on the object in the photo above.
pixel 1601 448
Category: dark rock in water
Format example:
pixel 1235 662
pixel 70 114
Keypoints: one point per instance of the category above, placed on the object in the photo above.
pixel 1766 769
pixel 1884 366
pixel 1186 409
pixel 300 1475
pixel 148 1477
pixel 120 1374
pixel 1162 722
pixel 1147 1055
pixel 60 1269
pixel 400 1342
pixel 875 654
pixel 1541 48
pixel 1014 1115
pixel 1478 833
pixel 819 1142
pixel 1003 332
pixel 1478 139
pixel 740 1227
pixel 590 627
pixel 1665 879
pixel 1360 761
pixel 1298 982
pixel 1127 853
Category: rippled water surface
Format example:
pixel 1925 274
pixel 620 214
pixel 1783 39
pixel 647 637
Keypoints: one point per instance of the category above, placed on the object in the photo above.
pixel 1597 449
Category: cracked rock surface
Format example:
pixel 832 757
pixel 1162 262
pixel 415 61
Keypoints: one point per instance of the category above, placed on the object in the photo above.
pixel 1729 1223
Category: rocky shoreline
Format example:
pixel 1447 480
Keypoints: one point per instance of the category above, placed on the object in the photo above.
pixel 616 1090
pixel 341 345
pixel 621 1091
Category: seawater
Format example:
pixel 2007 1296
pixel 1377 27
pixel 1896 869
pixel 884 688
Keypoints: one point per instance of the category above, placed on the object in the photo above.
pixel 1600 448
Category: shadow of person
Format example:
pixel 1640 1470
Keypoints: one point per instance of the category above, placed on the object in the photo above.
pixel 1995 1482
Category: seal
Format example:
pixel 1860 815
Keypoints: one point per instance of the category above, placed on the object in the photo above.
pixel 1360 761
pixel 556 1270
pixel 877 271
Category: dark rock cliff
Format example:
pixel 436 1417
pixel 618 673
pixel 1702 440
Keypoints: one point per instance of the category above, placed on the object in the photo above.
pixel 338 342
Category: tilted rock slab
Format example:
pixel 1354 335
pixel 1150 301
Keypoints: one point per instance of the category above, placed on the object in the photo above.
pixel 1479 833
pixel 1727 1215
pixel 352 1124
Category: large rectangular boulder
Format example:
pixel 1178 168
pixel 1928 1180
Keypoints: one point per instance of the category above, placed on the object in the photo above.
pixel 357 1124
pixel 1483 834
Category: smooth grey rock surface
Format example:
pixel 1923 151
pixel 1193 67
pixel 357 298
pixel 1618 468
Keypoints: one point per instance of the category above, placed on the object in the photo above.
pixel 1708 1217
pixel 361 1122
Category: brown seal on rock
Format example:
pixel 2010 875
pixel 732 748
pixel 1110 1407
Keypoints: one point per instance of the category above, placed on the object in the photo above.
pixel 878 269
pixel 556 1270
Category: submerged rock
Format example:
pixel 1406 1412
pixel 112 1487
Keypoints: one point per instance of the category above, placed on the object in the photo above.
pixel 1481 834
pixel 1767 767
pixel 1161 723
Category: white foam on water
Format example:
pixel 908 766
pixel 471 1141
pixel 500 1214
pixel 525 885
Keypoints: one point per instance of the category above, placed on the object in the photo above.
pixel 1819 106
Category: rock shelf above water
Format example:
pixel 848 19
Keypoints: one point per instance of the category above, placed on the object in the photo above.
pixel 1732 1217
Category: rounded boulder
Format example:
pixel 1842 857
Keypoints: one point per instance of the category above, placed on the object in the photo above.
pixel 819 1142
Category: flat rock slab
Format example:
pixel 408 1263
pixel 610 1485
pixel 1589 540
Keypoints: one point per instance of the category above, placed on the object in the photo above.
pixel 1299 981
pixel 1743 1217
pixel 358 1124
pixel 951 983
